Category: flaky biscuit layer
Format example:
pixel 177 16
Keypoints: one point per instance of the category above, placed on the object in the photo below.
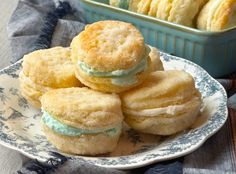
pixel 181 12
pixel 166 103
pixel 164 124
pixel 31 91
pixel 163 10
pixel 217 15
pixel 161 88
pixel 156 63
pixel 108 46
pixel 154 7
pixel 144 6
pixel 84 144
pixel 133 5
pixel 184 11
pixel 83 108
pixel 50 67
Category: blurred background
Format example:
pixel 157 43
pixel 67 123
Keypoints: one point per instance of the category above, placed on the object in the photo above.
pixel 6 9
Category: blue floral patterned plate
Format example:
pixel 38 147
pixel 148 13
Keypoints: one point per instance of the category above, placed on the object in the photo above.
pixel 20 123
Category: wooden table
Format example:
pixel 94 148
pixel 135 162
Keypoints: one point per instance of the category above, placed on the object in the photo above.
pixel 212 157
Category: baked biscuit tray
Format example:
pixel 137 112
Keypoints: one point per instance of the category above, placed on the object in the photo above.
pixel 214 51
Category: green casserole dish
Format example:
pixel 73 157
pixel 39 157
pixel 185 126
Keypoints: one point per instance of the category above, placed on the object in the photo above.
pixel 214 51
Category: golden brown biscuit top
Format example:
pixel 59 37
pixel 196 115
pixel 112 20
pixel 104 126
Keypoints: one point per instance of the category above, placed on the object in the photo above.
pixel 160 89
pixel 223 15
pixel 50 67
pixel 83 107
pixel 184 11
pixel 217 15
pixel 109 45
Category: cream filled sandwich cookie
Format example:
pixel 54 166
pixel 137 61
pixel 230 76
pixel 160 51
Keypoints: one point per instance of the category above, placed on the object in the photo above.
pixel 166 103
pixel 82 121
pixel 217 15
pixel 43 70
pixel 110 56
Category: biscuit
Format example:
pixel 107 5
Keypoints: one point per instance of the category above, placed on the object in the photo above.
pixel 31 91
pixel 217 15
pixel 156 63
pixel 111 53
pixel 184 12
pixel 84 145
pixel 43 70
pixel 133 6
pixel 181 12
pixel 153 7
pixel 163 10
pixel 76 123
pixel 114 3
pixel 50 67
pixel 166 103
pixel 144 6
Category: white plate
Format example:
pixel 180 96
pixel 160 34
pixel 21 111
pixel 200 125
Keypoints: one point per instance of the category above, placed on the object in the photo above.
pixel 20 125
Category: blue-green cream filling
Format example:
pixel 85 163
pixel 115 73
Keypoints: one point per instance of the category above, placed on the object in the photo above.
pixel 119 77
pixel 63 129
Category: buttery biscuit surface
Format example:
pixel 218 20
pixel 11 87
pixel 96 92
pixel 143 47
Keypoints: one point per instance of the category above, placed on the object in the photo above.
pixel 83 108
pixel 166 103
pixel 160 89
pixel 109 45
pixel 217 15
pixel 50 67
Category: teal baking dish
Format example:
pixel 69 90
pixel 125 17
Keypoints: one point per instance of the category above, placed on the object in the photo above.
pixel 214 51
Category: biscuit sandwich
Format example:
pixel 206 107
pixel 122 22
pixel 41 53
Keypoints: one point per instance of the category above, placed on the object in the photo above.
pixel 166 103
pixel 111 56
pixel 75 122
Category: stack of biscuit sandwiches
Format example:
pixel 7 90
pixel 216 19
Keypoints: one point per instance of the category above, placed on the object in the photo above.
pixel 210 15
pixel 107 77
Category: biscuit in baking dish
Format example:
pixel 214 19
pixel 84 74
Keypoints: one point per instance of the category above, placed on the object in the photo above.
pixel 134 5
pixel 144 6
pixel 181 12
pixel 217 15
pixel 153 8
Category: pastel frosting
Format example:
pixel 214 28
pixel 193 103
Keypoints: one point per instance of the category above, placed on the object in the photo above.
pixel 119 77
pixel 63 129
